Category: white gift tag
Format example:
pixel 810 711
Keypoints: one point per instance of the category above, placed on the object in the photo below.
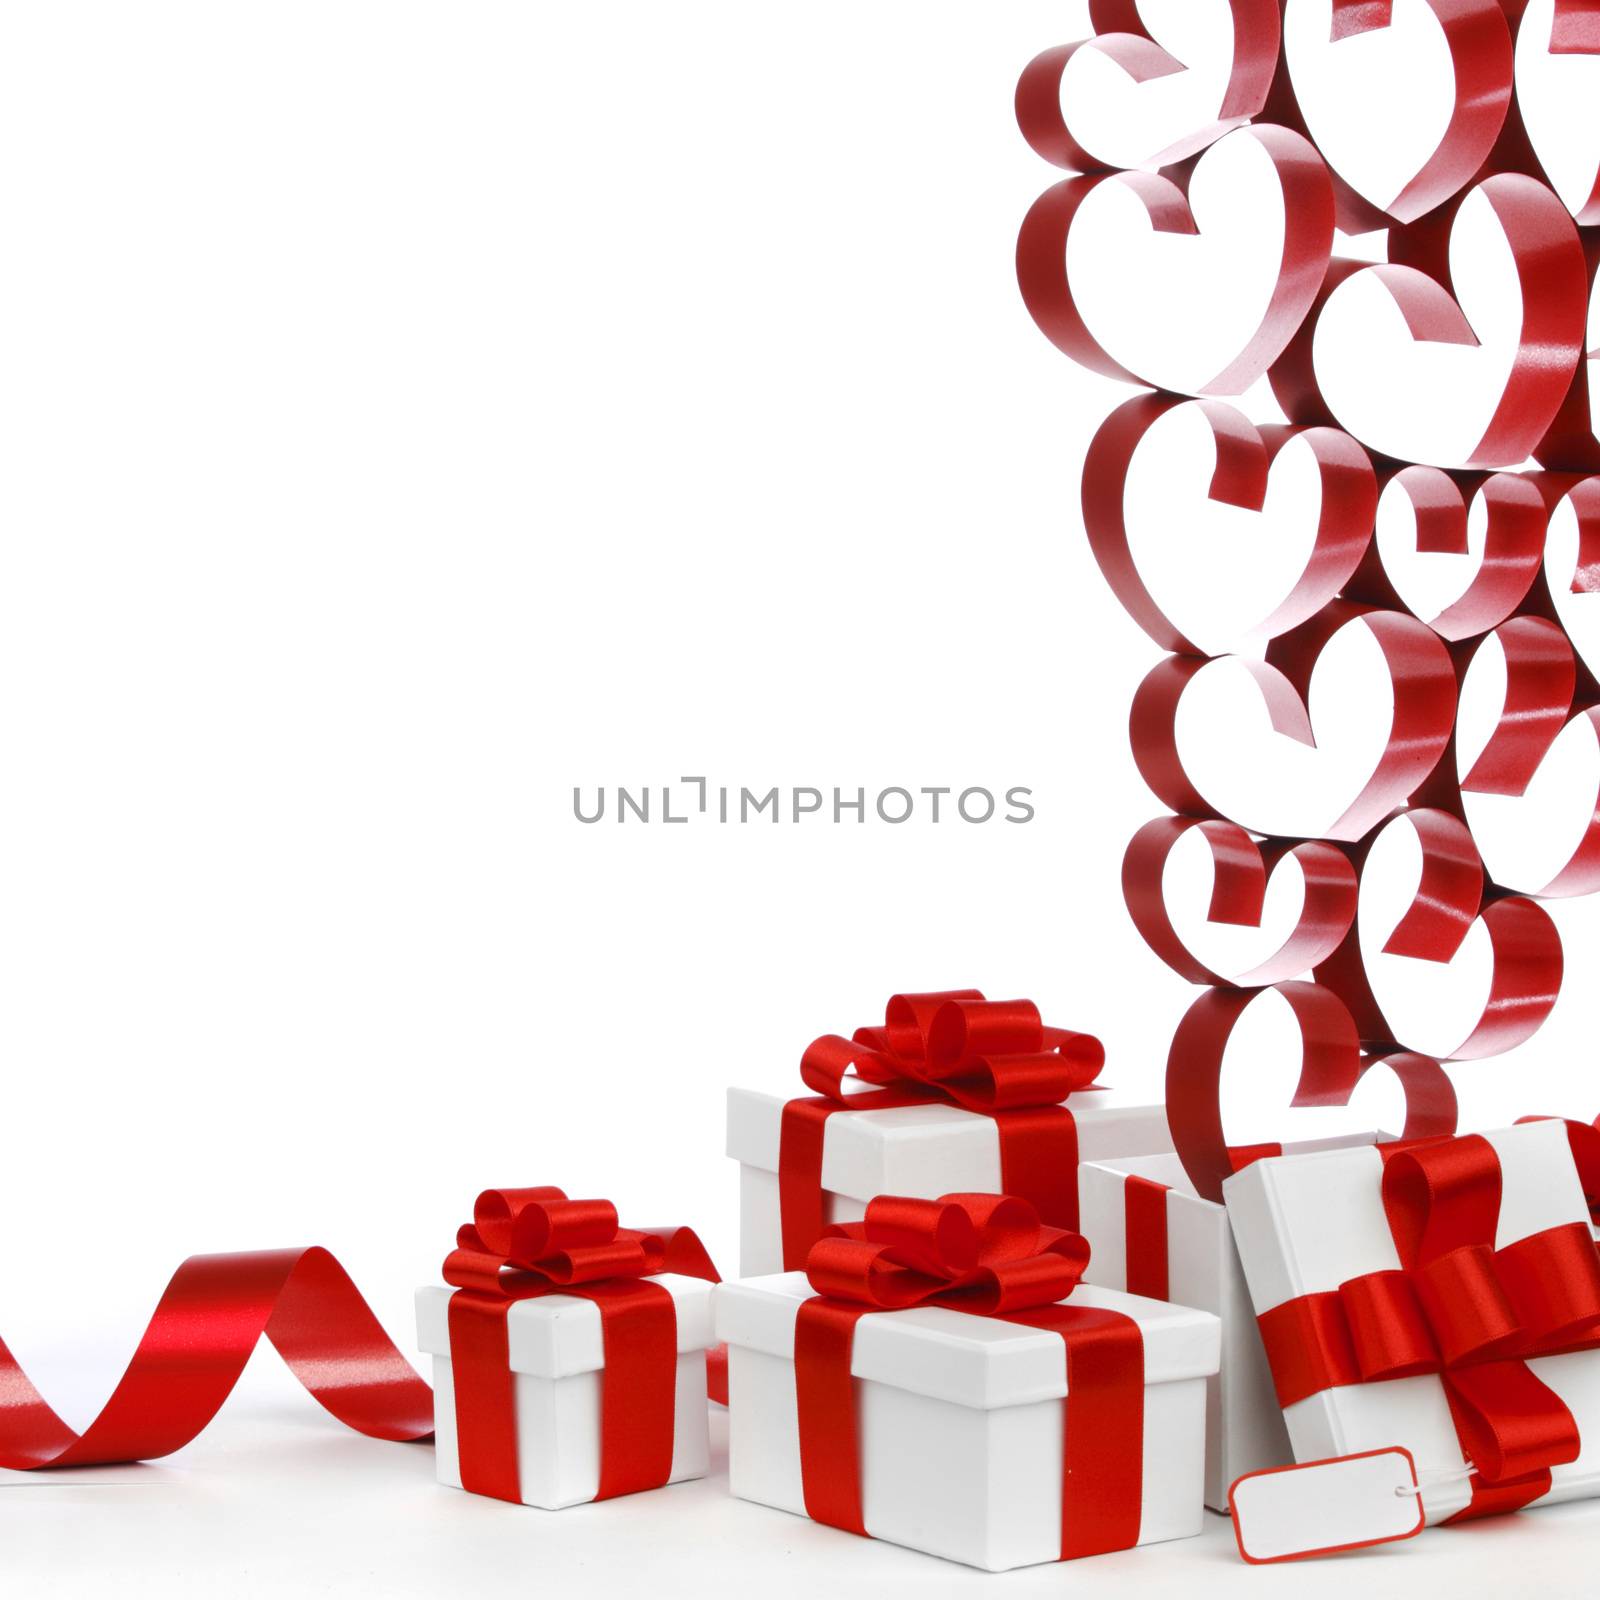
pixel 1289 1513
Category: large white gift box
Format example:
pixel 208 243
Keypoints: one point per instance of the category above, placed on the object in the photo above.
pixel 1136 1206
pixel 923 1150
pixel 558 1361
pixel 1309 1224
pixel 960 1420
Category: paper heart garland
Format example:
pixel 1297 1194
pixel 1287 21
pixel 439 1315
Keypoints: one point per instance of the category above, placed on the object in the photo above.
pixel 1419 382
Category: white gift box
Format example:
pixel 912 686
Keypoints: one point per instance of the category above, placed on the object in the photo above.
pixel 921 1151
pixel 1307 1224
pixel 558 1361
pixel 960 1420
pixel 1244 1427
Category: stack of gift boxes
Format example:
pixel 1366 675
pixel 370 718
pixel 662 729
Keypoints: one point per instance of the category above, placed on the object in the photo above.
pixel 984 1313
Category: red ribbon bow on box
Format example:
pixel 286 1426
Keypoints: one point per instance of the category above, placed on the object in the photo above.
pixel 1459 1308
pixel 525 1243
pixel 952 1047
pixel 990 1256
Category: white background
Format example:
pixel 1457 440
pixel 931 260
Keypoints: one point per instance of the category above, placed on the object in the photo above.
pixel 412 411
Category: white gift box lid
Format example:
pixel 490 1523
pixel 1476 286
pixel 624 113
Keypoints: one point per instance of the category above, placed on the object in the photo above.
pixel 981 1362
pixel 910 1149
pixel 558 1335
pixel 1308 1223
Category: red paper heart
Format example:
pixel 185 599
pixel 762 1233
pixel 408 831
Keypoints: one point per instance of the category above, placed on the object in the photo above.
pixel 1240 869
pixel 1073 138
pixel 1245 458
pixel 1300 186
pixel 1422 679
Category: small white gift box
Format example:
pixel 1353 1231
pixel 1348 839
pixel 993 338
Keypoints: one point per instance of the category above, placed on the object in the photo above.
pixel 1136 1204
pixel 557 1362
pixel 1312 1225
pixel 960 1420
pixel 923 1150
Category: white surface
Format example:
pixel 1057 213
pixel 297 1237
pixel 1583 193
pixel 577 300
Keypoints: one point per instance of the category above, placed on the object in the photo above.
pixel 1280 1209
pixel 960 1420
pixel 249 1510
pixel 923 1151
pixel 414 410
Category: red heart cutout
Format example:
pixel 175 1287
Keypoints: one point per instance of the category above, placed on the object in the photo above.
pixel 1240 869
pixel 1538 723
pixel 1072 126
pixel 1245 460
pixel 1515 387
pixel 1485 578
pixel 1362 65
pixel 1331 1067
pixel 1294 179
pixel 1423 685
pixel 1453 893
pixel 1556 84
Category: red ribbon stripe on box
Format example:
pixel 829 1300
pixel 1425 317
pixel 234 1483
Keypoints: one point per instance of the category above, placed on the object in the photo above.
pixel 953 1047
pixel 526 1243
pixel 1459 1308
pixel 990 1256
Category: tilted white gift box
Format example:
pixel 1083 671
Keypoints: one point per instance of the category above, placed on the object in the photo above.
pixel 1244 1428
pixel 557 1358
pixel 960 1420
pixel 922 1151
pixel 1306 1224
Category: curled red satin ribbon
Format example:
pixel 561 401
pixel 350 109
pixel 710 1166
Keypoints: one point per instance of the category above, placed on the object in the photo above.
pixel 1461 1309
pixel 525 1243
pixel 994 1057
pixel 988 1255
pixel 206 1325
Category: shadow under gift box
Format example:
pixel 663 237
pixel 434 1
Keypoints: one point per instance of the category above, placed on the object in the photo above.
pixel 1307 1224
pixel 557 1362
pixel 1244 1427
pixel 960 1420
pixel 922 1151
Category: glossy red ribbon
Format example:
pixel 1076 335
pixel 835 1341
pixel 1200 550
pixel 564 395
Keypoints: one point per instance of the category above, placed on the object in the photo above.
pixel 990 1256
pixel 1459 1308
pixel 203 1331
pixel 525 1243
pixel 993 1057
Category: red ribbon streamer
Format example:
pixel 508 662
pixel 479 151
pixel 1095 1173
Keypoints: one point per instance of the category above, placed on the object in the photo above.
pixel 952 1047
pixel 1459 1308
pixel 987 1255
pixel 203 1331
pixel 523 1244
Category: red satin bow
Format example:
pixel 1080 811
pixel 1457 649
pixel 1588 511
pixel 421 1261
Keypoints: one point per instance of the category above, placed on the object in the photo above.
pixel 1459 1308
pixel 993 1057
pixel 987 1255
pixel 525 1243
